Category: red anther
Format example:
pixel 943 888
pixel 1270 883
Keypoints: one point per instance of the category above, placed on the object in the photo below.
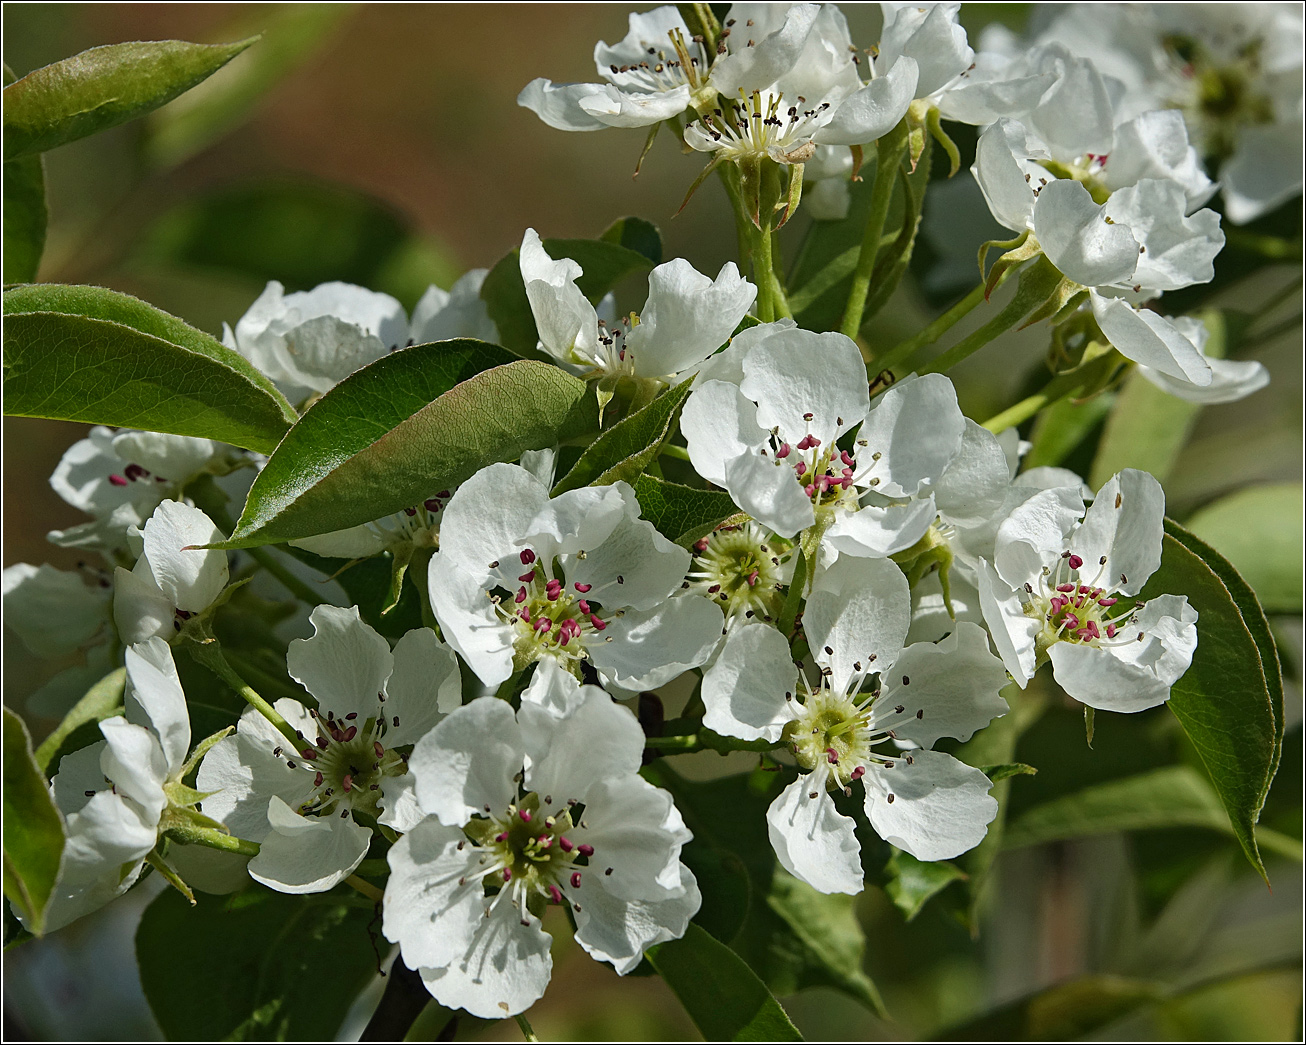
pixel 847 473
pixel 1107 602
pixel 846 481
pixel 809 489
pixel 1110 631
pixel 322 742
pixel 308 753
pixel 502 836
pixel 543 624
pixel 317 779
pixel 808 416
pixel 431 504
pixel 846 458
pixel 752 579
pixel 380 751
pixel 582 588
pixel 780 455
pixel 1072 621
pixel 527 557
pixel 584 606
pixel 525 815
pixel 858 773
pixel 349 735
pixel 544 841
pixel 520 596
pixel 823 483
pixel 700 545
pixel 566 845
pixel 553 590
pixel 348 782
pixel 1083 589
pixel 507 874
pixel 832 755
pixel 800 468
pixel 1091 628
pixel 598 624
pixel 117 480
pixel 585 850
pixel 134 472
pixel 555 894
pixel 1065 587
pixel 714 589
pixel 575 879
pixel 806 443
pixel 444 495
pixel 1076 562
pixel 527 576
pixel 525 615
pixel 410 511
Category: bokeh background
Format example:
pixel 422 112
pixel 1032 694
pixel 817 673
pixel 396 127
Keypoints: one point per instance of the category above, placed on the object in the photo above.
pixel 382 144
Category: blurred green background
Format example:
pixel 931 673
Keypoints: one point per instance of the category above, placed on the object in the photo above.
pixel 382 144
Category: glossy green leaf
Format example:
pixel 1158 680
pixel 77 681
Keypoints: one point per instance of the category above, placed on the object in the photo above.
pixel 1230 700
pixel 298 232
pixel 401 429
pixel 93 355
pixel 272 967
pixel 290 35
pixel 627 448
pixel 33 828
pixel 103 87
pixel 913 882
pixel 638 235
pixel 1147 429
pixel 101 701
pixel 722 995
pixel 25 215
pixel 1259 531
pixel 682 513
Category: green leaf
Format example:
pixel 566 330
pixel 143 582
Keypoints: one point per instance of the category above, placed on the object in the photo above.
pixel 638 235
pixel 505 299
pixel 1230 700
pixel 296 231
pixel 681 513
pixel 401 429
pixel 93 355
pixel 1147 429
pixel 913 882
pixel 25 215
pixel 1062 427
pixel 1259 531
pixel 290 35
pixel 103 700
pixel 627 448
pixel 103 87
pixel 271 967
pixel 726 1001
pixel 603 263
pixel 33 828
pixel 1006 770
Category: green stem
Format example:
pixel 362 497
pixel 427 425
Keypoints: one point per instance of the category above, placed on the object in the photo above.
pixel 366 888
pixel 1060 387
pixel 527 1031
pixel 288 580
pixel 789 611
pixel 762 274
pixel 672 450
pixel 729 175
pixel 210 655
pixel 213 839
pixel 419 572
pixel 904 350
pixel 262 676
pixel 373 868
pixel 673 745
pixel 888 151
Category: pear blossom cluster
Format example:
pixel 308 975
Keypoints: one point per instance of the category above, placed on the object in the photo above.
pixel 888 578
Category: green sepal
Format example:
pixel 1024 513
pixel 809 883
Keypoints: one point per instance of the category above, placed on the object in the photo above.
pixel 1024 248
pixel 401 556
pixel 169 875
pixel 937 132
pixel 202 749
pixel 1004 245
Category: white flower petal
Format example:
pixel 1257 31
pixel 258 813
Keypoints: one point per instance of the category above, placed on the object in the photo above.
pixel 872 110
pixel 880 532
pixel 468 621
pixel 567 755
pixel 140 610
pixel 566 321
pixel 424 686
pixel 79 772
pixel 649 566
pixel 941 807
pixel 1001 164
pixel 458 312
pixel 1120 537
pixel 812 839
pixel 434 898
pixel 1035 534
pixel 308 854
pixel 770 492
pixel 795 373
pixel 916 427
pixel 930 35
pixel 636 830
pixel 135 763
pixel 1155 145
pixel 747 692
pixel 504 970
pixel 577 521
pixel 155 699
pixel 53 611
pixel 719 425
pixel 357 542
pixel 1076 116
pixel 1179 249
pixel 974 485
pixel 620 931
pixel 192 578
pixel 558 104
pixel 399 806
pixel 617 108
pixel 344 664
pixel 486 517
pixel 770 54
pixel 1231 380
pixel 1012 630
pixel 948 689
pixel 1265 170
pixel 687 317
pixel 467 764
pixel 1076 238
pixel 552 687
pixel 649 648
pixel 1150 339
pixel 860 612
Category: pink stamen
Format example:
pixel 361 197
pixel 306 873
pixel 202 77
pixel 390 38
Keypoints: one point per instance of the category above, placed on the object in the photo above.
pixel 809 490
pixel 583 588
pixel 525 615
pixel 527 576
pixel 521 595
pixel 575 880
pixel 752 579
pixel 1076 562
pixel 544 841
pixel 598 624
pixel 117 480
pixel 584 606
pixel 525 815
pixel 585 850
pixel 1107 602
pixel 780 454
pixel 566 845
pixel 507 874
pixel 832 755
pixel 801 468
pixel 527 557
pixel 543 624
pixel 555 894
pixel 502 836
pixel 1065 587
pixel 858 773
pixel 1110 631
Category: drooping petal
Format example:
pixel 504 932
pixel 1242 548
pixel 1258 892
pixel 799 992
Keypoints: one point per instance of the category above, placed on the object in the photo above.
pixel 140 610
pixel 566 321
pixel 812 839
pixel 620 931
pixel 1131 676
pixel 940 807
pixel 807 384
pixel 79 772
pixel 504 970
pixel 1120 537
pixel 424 686
pixel 308 854
pixel 1012 629
pixel 645 649
pixel 434 898
pixel 155 699
pixel 687 317
pixel 190 576
pixel 1231 380
pixel 467 764
pixel 135 763
pixel 646 29
pixel 344 664
pixel 948 689
pixel 860 613
pixel 323 351
pixel 1150 339
pixel 617 108
pixel 558 104
pixel 871 111
pixel 468 620
pixel 1078 240
pixel 748 691
pixel 566 756
pixel 916 429
pixel 1002 161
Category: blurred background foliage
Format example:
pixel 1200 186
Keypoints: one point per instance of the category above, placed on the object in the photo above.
pixel 382 145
